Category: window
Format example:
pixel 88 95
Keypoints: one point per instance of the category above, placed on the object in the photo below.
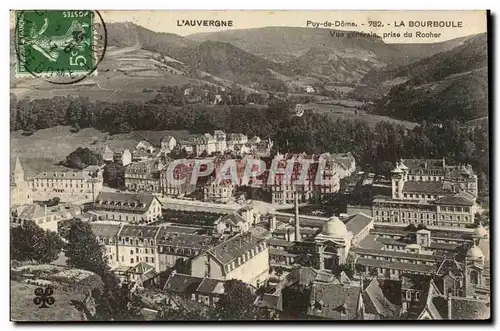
pixel 152 260
pixel 137 250
pixel 131 260
pixel 131 252
pixel 408 295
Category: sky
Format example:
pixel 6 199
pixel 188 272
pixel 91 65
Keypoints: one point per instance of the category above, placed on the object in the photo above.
pixel 472 22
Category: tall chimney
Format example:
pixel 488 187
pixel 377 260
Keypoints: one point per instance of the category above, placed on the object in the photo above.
pixel 448 299
pixel 297 222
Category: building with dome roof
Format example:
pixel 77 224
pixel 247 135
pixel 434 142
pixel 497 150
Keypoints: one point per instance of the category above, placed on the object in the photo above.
pixel 474 253
pixel 333 243
pixel 474 269
pixel 480 232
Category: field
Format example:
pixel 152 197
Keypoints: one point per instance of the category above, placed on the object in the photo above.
pixel 22 307
pixel 45 148
pixel 336 111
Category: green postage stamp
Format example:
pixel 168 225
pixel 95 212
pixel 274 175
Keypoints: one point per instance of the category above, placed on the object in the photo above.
pixel 57 43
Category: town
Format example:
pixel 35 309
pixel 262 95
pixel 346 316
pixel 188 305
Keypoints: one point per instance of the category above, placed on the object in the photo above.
pixel 245 172
pixel 423 240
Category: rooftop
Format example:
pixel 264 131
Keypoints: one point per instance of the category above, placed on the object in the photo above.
pixel 211 286
pixel 355 224
pixel 423 187
pixel 186 240
pixel 459 199
pixel 334 301
pixel 377 302
pixel 398 254
pixel 139 231
pixel 397 265
pixel 182 283
pixel 68 174
pixel 105 230
pixel 124 201
pixel 234 247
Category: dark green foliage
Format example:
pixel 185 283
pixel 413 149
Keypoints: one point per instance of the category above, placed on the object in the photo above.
pixel 450 84
pixel 237 303
pixel 84 252
pixel 171 314
pixel 114 175
pixel 296 300
pixel 52 202
pixel 375 148
pixel 182 266
pixel 29 242
pixel 82 158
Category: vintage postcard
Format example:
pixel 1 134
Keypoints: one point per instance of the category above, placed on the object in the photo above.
pixel 249 165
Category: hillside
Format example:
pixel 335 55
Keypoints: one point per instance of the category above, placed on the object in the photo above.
pixel 453 83
pixel 130 34
pixel 230 62
pixel 347 66
pixel 282 44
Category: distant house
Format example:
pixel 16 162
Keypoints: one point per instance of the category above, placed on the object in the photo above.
pixel 105 152
pixel 168 143
pixel 309 89
pixel 145 145
pixel 144 175
pixel 45 217
pixel 201 289
pixel 218 99
pixel 218 191
pixel 122 156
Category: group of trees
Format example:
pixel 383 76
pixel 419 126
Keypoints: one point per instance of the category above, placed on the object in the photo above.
pixel 375 147
pixel 84 252
pixel 31 243
pixel 81 158
pixel 114 175
pixel 236 304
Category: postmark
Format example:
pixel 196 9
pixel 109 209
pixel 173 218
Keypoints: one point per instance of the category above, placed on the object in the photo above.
pixel 60 46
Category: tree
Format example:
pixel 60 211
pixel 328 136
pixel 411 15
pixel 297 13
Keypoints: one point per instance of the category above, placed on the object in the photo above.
pixel 82 158
pixel 182 266
pixel 237 302
pixel 296 300
pixel 182 314
pixel 84 252
pixel 114 175
pixel 29 242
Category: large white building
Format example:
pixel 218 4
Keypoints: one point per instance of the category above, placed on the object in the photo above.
pixel 315 184
pixel 244 257
pixel 128 207
pixel 429 195
pixel 67 183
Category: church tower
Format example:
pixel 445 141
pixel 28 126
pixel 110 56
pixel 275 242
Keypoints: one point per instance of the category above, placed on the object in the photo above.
pixel 20 191
pixel 17 173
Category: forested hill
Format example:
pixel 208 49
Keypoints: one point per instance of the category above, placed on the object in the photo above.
pixel 451 84
pixel 230 62
pixel 374 148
